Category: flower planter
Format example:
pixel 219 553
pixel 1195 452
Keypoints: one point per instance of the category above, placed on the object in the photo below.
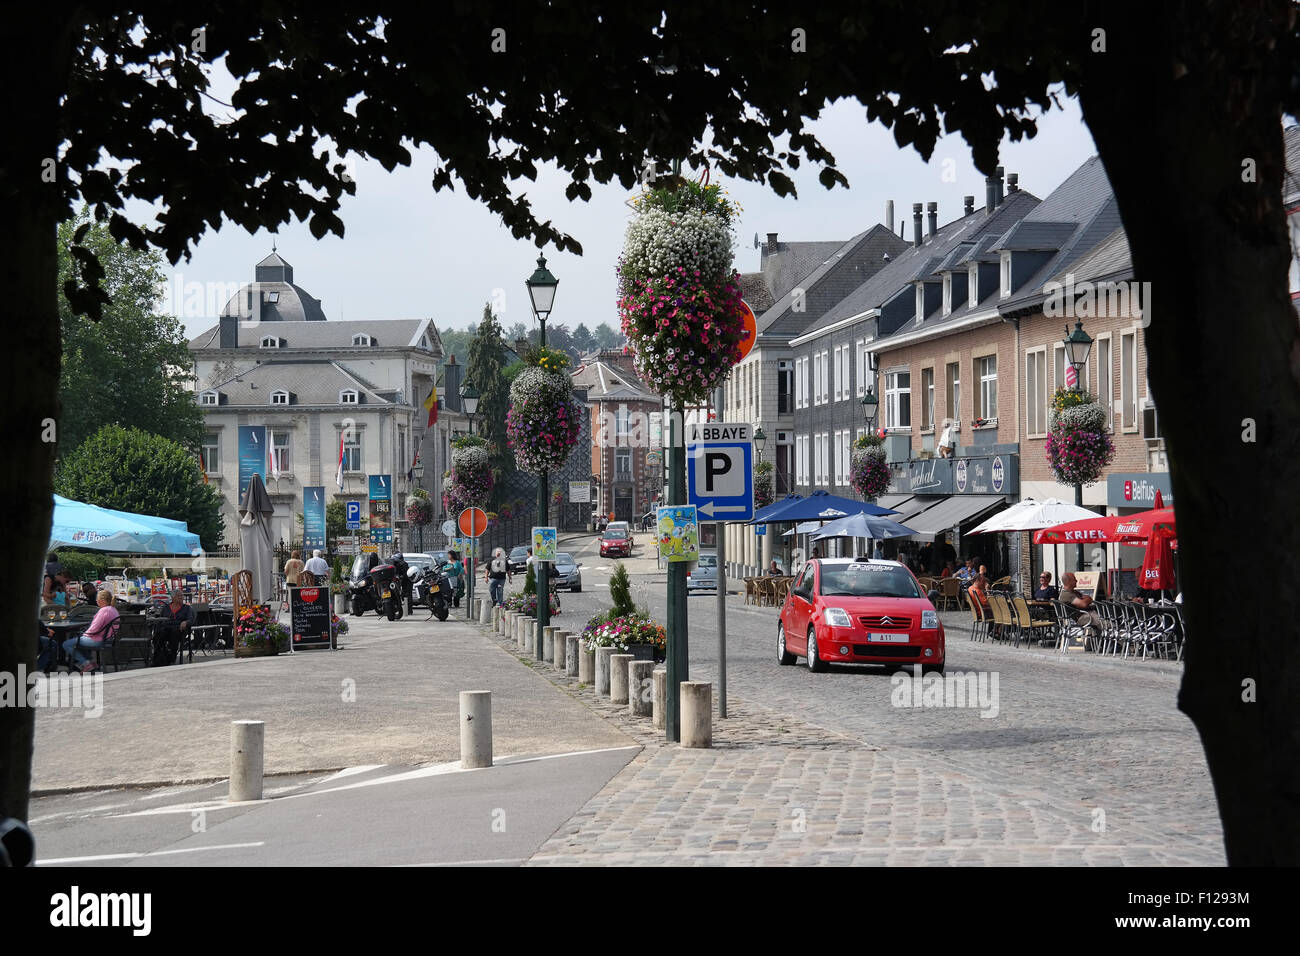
pixel 257 649
pixel 641 652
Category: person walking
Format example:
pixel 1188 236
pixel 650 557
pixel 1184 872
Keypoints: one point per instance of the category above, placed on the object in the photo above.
pixel 317 566
pixel 497 573
pixel 292 568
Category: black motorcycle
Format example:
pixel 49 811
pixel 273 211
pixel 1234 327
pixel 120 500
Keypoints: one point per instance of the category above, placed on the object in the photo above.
pixel 387 591
pixel 429 589
pixel 361 593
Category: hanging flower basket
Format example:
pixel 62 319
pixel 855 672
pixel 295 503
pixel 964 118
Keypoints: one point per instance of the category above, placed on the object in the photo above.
pixel 469 484
pixel 868 470
pixel 763 495
pixel 544 419
pixel 1078 448
pixel 679 297
pixel 419 511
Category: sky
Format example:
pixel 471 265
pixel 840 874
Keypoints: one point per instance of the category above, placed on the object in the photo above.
pixel 409 252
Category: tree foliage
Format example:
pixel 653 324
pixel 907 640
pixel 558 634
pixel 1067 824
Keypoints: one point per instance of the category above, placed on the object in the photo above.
pixel 134 367
pixel 130 470
pixel 485 370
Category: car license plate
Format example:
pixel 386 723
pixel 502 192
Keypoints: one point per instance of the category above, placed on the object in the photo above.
pixel 433 589
pixel 889 638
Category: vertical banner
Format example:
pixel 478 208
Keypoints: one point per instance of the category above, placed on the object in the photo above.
pixel 381 508
pixel 252 455
pixel 313 517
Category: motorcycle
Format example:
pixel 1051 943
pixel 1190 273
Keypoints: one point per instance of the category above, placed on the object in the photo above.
pixel 387 591
pixel 361 593
pixel 429 589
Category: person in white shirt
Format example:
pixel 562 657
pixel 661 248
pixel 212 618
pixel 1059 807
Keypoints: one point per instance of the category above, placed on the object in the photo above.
pixel 317 566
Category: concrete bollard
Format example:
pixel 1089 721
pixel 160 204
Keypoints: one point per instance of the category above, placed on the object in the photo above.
pixel 618 677
pixel 586 663
pixel 503 623
pixel 571 654
pixel 519 629
pixel 697 714
pixel 548 643
pixel 639 689
pixel 659 708
pixel 485 612
pixel 475 728
pixel 247 742
pixel 602 670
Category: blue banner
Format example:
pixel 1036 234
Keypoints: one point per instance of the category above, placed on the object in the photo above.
pixel 313 517
pixel 381 508
pixel 252 456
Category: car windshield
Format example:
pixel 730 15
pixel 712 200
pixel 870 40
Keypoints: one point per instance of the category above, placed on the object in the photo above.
pixel 866 579
pixel 708 560
pixel 518 554
pixel 615 534
pixel 563 559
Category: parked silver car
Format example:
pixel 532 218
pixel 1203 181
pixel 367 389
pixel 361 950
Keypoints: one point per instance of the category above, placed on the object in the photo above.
pixel 704 576
pixel 567 572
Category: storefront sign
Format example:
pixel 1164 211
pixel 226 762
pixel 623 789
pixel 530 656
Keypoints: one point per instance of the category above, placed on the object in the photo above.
pixel 980 475
pixel 1138 489
pixel 381 508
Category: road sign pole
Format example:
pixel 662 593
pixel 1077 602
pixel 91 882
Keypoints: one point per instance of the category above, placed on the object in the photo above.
pixel 677 657
pixel 720 578
pixel 542 577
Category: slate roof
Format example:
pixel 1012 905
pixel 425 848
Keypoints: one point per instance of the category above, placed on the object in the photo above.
pixel 311 382
pixel 914 262
pixel 605 382
pixel 1291 180
pixel 1109 259
pixel 753 288
pixel 385 333
pixel 852 263
pixel 792 261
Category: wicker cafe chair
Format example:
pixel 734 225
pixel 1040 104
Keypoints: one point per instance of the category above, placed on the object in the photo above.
pixel 979 620
pixel 751 590
pixel 949 591
pixel 1032 629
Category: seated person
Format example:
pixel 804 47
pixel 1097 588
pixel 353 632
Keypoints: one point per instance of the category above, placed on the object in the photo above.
pixel 948 570
pixel 177 619
pixel 48 647
pixel 967 571
pixel 1082 601
pixel 1045 591
pixel 94 635
pixel 773 568
pixel 978 591
pixel 55 589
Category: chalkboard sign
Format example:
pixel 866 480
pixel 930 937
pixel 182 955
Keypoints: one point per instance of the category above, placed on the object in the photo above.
pixel 309 617
pixel 1124 583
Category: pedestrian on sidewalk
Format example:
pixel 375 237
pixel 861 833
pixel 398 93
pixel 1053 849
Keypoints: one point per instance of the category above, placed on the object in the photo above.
pixel 292 568
pixel 497 573
pixel 317 566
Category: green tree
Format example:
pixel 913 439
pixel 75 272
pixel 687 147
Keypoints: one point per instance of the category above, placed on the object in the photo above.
pixel 131 470
pixel 1184 99
pixel 485 370
pixel 456 342
pixel 620 592
pixel 134 367
pixel 583 340
pixel 607 338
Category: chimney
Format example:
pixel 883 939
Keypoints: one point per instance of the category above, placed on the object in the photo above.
pixel 1013 183
pixel 916 224
pixel 997 181
pixel 932 218
pixel 771 243
pixel 990 196
pixel 968 205
pixel 889 214
pixel 229 332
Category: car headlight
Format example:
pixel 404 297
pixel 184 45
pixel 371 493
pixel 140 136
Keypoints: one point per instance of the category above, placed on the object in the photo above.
pixel 837 617
pixel 929 620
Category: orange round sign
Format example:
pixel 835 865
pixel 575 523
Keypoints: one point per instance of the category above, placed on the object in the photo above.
pixel 473 522
pixel 751 331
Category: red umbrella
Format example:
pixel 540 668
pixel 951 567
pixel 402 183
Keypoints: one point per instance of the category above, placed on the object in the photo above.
pixel 1129 529
pixel 1160 501
pixel 1158 566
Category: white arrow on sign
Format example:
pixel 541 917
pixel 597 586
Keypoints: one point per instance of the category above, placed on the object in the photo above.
pixel 708 508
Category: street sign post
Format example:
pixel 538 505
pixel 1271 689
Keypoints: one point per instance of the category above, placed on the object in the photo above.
pixel 353 516
pixel 720 471
pixel 472 523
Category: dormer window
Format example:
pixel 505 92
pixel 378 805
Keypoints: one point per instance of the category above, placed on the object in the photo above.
pixel 973 284
pixel 273 297
pixel 362 339
pixel 272 342
pixel 947 293
pixel 920 301
pixel 1006 274
pixel 349 396
pixel 424 343
pixel 279 397
pixel 209 398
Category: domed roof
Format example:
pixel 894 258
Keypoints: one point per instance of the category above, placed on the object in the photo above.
pixel 272 296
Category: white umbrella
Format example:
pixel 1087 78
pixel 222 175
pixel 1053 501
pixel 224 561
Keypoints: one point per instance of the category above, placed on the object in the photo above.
pixel 1031 515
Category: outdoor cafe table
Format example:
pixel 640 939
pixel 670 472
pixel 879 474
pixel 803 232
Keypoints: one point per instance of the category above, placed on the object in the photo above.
pixel 63 630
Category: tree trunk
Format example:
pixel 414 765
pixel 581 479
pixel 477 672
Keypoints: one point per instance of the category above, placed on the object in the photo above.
pixel 1181 99
pixel 29 203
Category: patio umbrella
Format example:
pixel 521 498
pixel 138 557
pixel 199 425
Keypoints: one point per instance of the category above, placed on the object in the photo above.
pixel 1129 529
pixel 862 525
pixel 804 527
pixel 1158 565
pixel 818 505
pixel 1031 515
pixel 80 525
pixel 255 539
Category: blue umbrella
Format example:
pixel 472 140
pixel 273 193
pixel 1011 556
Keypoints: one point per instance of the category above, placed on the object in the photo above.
pixel 79 525
pixel 819 504
pixel 863 525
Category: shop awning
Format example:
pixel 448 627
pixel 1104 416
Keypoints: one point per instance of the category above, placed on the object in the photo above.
pixel 909 506
pixel 951 511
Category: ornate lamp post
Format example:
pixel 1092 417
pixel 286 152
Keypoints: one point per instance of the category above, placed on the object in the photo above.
pixel 469 396
pixel 1077 346
pixel 760 440
pixel 418 472
pixel 869 406
pixel 541 291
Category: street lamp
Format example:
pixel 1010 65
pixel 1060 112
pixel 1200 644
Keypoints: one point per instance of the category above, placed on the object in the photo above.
pixel 869 406
pixel 1077 346
pixel 469 395
pixel 760 440
pixel 541 291
pixel 417 470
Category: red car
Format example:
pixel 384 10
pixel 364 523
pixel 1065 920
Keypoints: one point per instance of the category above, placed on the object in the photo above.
pixel 859 612
pixel 616 541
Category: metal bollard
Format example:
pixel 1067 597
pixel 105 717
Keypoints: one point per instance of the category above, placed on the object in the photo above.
pixel 639 689
pixel 247 742
pixel 697 714
pixel 602 670
pixel 571 652
pixel 659 709
pixel 475 728
pixel 586 663
pixel 618 677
